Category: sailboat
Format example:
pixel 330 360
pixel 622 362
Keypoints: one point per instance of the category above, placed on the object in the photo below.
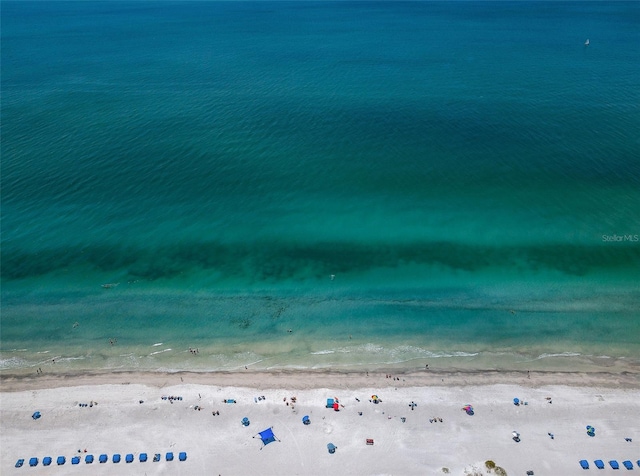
pixel 586 43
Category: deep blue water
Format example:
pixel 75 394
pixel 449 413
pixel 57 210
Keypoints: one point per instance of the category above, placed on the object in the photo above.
pixel 394 182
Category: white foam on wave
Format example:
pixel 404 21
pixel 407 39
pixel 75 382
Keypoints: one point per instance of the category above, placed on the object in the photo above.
pixel 160 351
pixel 43 352
pixel 12 363
pixel 156 345
pixel 323 352
pixel 561 354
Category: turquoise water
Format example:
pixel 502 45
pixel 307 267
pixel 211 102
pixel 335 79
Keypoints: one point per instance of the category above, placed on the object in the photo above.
pixel 453 183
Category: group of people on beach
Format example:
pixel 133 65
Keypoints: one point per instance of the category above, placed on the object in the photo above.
pixel 194 351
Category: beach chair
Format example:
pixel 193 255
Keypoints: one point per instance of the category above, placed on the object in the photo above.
pixel 19 463
pixel 33 461
pixel 584 463
pixel 143 457
pixel 599 464
pixel 169 456
pixel 245 421
pixel 614 464
pixel 75 460
pixel 182 456
pixel 46 461
pixel 36 415
pixel 103 458
pixel 61 460
pixel 116 458
pixel 638 462
pixel 88 459
pixel 627 464
pixel 128 458
pixel 332 448
pixel 370 441
pixel 329 402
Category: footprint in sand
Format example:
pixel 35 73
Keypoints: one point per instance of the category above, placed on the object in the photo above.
pixel 327 428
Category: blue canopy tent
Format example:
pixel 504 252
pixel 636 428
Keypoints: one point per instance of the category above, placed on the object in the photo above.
pixel 46 460
pixel 599 464
pixel 329 402
pixel 19 463
pixel 88 459
pixel 584 463
pixel 157 457
pixel 103 458
pixel 143 457
pixel 128 458
pixel 169 456
pixel 245 421
pixel 305 420
pixel 75 460
pixel 627 464
pixel 116 458
pixel 61 460
pixel 182 456
pixel 614 464
pixel 332 448
pixel 36 415
pixel 267 437
pixel 33 461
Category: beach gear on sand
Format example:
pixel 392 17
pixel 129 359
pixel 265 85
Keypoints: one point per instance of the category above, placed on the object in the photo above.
pixel 88 459
pixel 516 401
pixel 33 461
pixel 103 458
pixel 614 464
pixel 46 461
pixel 75 460
pixel 116 458
pixel 329 402
pixel 627 464
pixel 36 415
pixel 19 463
pixel 61 460
pixel 584 463
pixel 591 431
pixel 336 407
pixel 128 458
pixel 305 420
pixel 267 437
pixel 169 456
pixel 245 421
pixel 182 456
pixel 143 457
pixel 332 448
pixel 156 457
pixel 599 464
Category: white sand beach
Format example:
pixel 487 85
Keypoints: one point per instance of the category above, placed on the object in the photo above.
pixel 405 441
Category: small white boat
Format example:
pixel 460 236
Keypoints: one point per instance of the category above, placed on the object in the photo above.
pixel 110 285
pixel 586 43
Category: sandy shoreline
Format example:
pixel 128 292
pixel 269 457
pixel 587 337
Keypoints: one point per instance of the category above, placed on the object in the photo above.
pixel 309 379
pixel 417 445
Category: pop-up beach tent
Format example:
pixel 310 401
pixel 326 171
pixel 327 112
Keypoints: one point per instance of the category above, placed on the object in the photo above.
pixel 267 437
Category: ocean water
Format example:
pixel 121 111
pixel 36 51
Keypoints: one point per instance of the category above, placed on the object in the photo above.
pixel 344 185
